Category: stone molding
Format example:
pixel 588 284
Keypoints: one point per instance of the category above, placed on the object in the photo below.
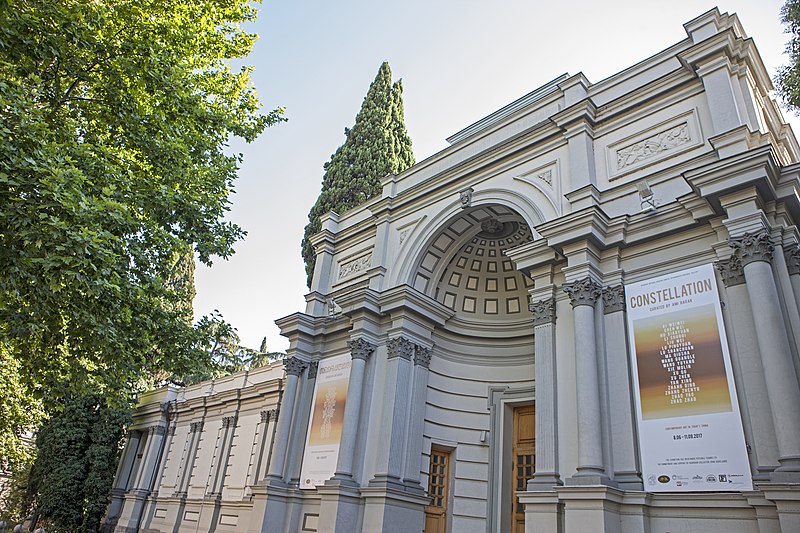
pixel 294 366
pixel 613 299
pixel 422 356
pixel 229 421
pixel 360 348
pixel 582 292
pixel 544 312
pixel 792 254
pixel 400 347
pixel 196 427
pixel 313 366
pixel 731 271
pixel 752 247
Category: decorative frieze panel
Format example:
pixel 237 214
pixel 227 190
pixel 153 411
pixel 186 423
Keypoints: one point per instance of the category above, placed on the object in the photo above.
pixel 355 266
pixel 649 148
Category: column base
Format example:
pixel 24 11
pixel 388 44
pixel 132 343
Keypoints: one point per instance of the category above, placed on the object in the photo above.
pixel 628 481
pixel 385 481
pixel 544 481
pixel 589 478
pixel 340 507
pixel 543 511
pixel 341 480
pixel 392 510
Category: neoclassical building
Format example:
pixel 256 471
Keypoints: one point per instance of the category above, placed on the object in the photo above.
pixel 475 355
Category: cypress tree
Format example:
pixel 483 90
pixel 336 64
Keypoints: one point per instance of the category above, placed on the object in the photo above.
pixel 375 146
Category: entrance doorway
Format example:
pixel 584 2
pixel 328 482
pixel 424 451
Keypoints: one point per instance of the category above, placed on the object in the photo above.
pixel 523 451
pixel 438 490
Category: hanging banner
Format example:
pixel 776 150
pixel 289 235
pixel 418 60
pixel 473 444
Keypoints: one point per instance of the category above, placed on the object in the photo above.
pixel 325 426
pixel 690 430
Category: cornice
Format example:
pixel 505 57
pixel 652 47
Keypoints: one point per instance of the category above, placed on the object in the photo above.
pixel 590 223
pixel 405 297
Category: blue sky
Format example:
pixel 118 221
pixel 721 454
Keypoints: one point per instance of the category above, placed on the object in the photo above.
pixel 459 61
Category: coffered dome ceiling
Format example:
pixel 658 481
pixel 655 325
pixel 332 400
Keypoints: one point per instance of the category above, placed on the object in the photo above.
pixel 472 276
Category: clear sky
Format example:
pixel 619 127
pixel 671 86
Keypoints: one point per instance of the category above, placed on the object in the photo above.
pixel 459 61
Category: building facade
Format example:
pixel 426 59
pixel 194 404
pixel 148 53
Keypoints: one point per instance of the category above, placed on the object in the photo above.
pixel 477 313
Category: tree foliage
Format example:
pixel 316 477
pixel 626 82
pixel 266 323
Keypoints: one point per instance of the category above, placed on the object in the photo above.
pixel 375 146
pixel 71 478
pixel 788 79
pixel 114 171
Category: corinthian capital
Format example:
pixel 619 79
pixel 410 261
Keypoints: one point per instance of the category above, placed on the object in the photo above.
pixel 422 357
pixel 731 271
pixel 752 247
pixel 582 292
pixel 544 312
pixel 792 254
pixel 400 347
pixel 360 349
pixel 294 366
pixel 613 299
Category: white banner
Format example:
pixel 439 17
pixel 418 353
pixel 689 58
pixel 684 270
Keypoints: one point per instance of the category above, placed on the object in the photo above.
pixel 690 430
pixel 325 426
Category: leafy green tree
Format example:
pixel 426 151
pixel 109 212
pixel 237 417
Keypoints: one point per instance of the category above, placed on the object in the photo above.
pixel 114 169
pixel 73 472
pixel 788 78
pixel 375 146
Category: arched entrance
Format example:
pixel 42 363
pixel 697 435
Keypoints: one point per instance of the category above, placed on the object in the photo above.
pixel 480 391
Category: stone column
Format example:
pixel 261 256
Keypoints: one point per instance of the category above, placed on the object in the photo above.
pixel 148 468
pixel 123 477
pixel 219 469
pixel 792 255
pixel 185 472
pixel 749 372
pixel 621 416
pixel 755 252
pixel 391 442
pixel 545 474
pixel 297 439
pixel 583 295
pixel 294 367
pixel 360 351
pixel 261 454
pixel 414 442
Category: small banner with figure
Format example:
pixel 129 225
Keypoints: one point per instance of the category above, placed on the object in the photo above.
pixel 690 429
pixel 325 426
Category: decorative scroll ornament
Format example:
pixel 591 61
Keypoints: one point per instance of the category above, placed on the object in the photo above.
pixel 196 427
pixel 613 299
pixel 731 270
pixel 400 347
pixel 360 348
pixel 422 356
pixel 752 247
pixel 652 146
pixel 792 255
pixel 294 366
pixel 582 292
pixel 544 312
pixel 312 369
pixel 465 197
pixel 229 421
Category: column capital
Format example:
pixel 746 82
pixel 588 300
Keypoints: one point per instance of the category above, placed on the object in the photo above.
pixel 731 271
pixel 752 247
pixel 313 366
pixel 229 421
pixel 582 292
pixel 792 254
pixel 422 356
pixel 269 414
pixel 294 366
pixel 158 429
pixel 544 311
pixel 400 347
pixel 360 348
pixel 196 427
pixel 613 299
